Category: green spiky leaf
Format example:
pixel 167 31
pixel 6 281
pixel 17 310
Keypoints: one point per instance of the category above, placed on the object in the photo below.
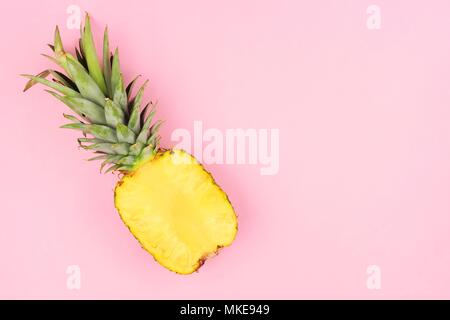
pixel 143 135
pixel 107 63
pixel 90 140
pixel 57 43
pixel 128 160
pixel 121 148
pixel 90 54
pixel 113 113
pixel 125 168
pixel 103 132
pixel 81 59
pixel 125 134
pixel 119 95
pixel 32 82
pixel 85 108
pixel 130 86
pixel 146 153
pixel 113 168
pixel 51 84
pixel 110 159
pixel 63 79
pixel 60 54
pixel 98 131
pixel 101 147
pixel 135 149
pixel 134 122
pixel 110 148
pixel 138 99
pixel 87 86
pixel 72 118
pixel 100 157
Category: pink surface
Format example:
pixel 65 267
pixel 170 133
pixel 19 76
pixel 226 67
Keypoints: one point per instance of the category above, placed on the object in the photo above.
pixel 364 174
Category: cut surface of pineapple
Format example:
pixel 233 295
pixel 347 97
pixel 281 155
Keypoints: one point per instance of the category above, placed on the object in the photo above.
pixel 177 212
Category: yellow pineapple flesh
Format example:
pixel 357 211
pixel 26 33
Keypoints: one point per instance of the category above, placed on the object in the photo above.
pixel 176 210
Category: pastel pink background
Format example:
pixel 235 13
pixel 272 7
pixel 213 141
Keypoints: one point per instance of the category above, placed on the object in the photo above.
pixel 364 119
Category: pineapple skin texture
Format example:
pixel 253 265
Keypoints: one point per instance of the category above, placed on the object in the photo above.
pixel 177 212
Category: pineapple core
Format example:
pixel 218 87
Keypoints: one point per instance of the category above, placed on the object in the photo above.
pixel 176 210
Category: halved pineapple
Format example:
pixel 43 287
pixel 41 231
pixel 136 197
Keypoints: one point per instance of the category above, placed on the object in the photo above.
pixel 176 210
pixel 166 198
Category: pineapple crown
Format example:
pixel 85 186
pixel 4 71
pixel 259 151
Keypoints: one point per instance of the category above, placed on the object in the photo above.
pixel 110 118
